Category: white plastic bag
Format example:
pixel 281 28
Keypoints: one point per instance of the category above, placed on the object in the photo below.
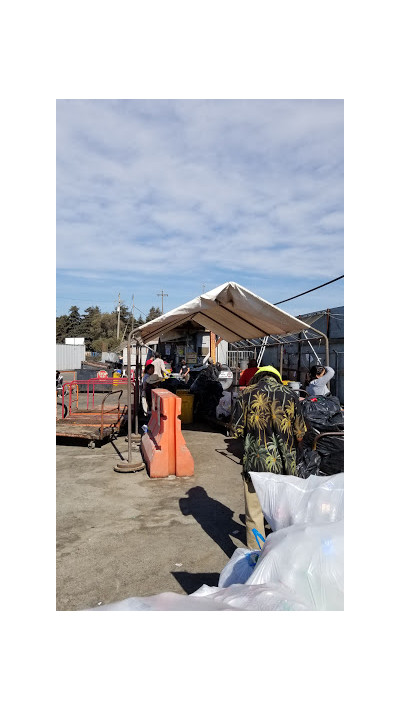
pixel 307 559
pixel 239 568
pixel 288 500
pixel 237 597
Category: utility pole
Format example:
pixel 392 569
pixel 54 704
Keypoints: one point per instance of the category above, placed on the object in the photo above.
pixel 162 300
pixel 204 289
pixel 133 310
pixel 119 312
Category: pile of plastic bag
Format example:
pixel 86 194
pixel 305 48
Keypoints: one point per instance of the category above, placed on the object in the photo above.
pixel 300 566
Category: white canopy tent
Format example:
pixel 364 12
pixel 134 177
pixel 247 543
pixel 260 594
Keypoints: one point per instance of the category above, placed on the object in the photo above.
pixel 230 311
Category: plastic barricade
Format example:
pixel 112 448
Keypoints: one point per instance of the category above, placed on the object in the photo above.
pixel 158 444
pixel 184 465
pixel 163 446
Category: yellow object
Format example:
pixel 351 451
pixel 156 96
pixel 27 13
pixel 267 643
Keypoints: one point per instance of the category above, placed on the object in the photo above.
pixel 187 406
pixel 116 377
pixel 270 369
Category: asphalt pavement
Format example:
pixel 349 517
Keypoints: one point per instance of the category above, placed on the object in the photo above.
pixel 122 535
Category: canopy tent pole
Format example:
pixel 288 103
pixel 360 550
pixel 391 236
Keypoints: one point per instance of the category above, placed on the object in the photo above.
pixel 325 337
pixel 317 356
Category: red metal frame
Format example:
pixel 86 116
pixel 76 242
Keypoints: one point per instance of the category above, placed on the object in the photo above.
pixel 110 417
pixel 75 384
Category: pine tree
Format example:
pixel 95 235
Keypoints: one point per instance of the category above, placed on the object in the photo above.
pixel 73 323
pixel 153 313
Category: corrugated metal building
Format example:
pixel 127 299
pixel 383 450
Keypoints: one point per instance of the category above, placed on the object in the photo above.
pixel 298 356
pixel 69 357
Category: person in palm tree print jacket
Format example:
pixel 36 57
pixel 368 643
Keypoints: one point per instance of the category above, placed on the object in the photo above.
pixel 267 415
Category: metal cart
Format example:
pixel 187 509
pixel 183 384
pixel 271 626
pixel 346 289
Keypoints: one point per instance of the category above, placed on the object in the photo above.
pixel 87 418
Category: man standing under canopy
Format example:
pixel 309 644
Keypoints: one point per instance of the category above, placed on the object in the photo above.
pixel 159 366
pixel 267 415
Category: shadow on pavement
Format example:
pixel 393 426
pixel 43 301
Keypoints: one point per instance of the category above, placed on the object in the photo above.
pixel 233 451
pixel 73 441
pixel 214 518
pixel 190 582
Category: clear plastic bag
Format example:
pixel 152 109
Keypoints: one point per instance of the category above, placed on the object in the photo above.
pixel 239 568
pixel 307 559
pixel 272 597
pixel 287 500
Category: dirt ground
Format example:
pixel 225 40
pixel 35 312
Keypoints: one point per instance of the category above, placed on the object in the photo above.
pixel 122 535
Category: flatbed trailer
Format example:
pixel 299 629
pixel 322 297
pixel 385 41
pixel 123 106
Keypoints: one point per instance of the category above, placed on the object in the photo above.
pixel 95 422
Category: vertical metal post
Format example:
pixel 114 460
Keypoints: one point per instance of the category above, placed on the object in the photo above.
pixel 129 393
pixel 298 372
pixel 281 363
pixel 326 343
pixel 136 388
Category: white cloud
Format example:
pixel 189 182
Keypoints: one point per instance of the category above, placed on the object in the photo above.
pixel 157 185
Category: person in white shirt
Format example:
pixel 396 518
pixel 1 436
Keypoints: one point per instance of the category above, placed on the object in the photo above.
pixel 159 366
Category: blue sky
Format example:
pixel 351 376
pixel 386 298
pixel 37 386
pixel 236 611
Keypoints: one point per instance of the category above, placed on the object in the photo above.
pixel 175 194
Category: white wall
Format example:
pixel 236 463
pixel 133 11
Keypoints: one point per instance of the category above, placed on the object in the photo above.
pixel 133 355
pixel 69 357
pixel 222 353
pixel 75 341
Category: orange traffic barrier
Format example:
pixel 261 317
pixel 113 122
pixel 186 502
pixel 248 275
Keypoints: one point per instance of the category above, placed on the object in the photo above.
pixel 158 444
pixel 184 465
pixel 163 446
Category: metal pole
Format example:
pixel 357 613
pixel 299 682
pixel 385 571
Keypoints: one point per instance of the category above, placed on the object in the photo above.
pixel 326 343
pixel 129 399
pixel 129 393
pixel 136 389
pixel 119 313
pixel 281 364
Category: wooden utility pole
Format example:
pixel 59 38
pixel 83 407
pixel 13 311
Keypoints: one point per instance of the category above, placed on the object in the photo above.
pixel 133 310
pixel 162 300
pixel 119 313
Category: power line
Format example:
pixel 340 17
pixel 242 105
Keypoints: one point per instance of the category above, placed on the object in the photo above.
pixel 307 292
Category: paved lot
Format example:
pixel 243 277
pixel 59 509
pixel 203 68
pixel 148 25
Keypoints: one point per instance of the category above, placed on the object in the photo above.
pixel 124 535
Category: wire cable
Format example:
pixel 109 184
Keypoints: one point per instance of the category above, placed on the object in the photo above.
pixel 307 292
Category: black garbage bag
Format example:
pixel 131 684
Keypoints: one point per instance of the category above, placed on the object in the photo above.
pixel 308 463
pixel 208 392
pixel 207 399
pixel 172 385
pixel 331 451
pixel 323 412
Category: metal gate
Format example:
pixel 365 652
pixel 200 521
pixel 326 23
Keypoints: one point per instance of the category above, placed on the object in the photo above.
pixel 234 357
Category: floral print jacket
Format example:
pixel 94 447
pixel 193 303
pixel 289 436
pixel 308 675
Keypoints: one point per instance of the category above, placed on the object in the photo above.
pixel 267 414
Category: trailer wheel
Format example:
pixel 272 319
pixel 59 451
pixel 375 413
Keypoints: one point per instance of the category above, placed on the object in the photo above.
pixel 91 444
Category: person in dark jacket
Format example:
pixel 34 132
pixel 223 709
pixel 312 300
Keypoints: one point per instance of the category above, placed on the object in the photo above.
pixel 184 371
